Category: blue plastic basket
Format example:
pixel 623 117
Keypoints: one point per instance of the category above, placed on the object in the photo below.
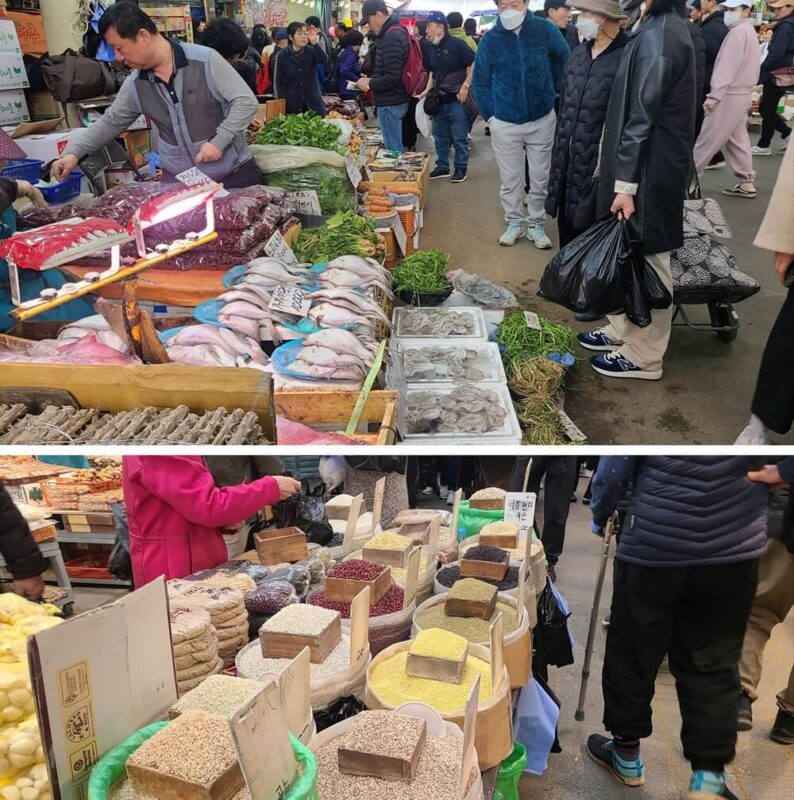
pixel 24 169
pixel 65 190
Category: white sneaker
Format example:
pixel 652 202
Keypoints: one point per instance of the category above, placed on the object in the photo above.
pixel 537 234
pixel 761 151
pixel 443 492
pixel 754 433
pixel 514 232
pixel 784 144
pixel 451 498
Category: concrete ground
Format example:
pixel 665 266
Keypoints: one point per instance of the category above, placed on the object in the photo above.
pixel 705 394
pixel 762 770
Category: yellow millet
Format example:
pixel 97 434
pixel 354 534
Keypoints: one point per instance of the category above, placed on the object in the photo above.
pixel 399 574
pixel 395 687
pixel 439 644
pixel 388 540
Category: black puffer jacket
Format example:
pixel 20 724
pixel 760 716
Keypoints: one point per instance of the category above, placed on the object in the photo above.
pixel 714 32
pixel 20 551
pixel 699 43
pixel 649 131
pixel 584 97
pixel 781 49
pixel 390 57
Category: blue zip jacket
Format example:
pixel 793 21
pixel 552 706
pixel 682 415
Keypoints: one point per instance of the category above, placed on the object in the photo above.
pixel 516 77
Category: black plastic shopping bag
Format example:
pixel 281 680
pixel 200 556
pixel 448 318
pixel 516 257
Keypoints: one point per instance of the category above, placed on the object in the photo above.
pixel 593 272
pixel 646 291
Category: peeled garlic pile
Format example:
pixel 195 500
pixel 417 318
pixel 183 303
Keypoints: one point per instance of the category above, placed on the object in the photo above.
pixel 20 748
pixel 30 785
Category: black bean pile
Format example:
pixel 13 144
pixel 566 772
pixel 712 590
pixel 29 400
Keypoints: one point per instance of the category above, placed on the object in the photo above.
pixel 449 575
pixel 482 553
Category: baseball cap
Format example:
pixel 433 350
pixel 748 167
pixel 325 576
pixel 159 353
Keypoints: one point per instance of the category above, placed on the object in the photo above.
pixel 280 34
pixel 436 16
pixel 549 4
pixel 779 3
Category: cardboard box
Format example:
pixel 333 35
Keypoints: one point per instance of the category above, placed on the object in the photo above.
pixel 138 145
pixel 46 146
pixel 30 31
pixel 118 177
pixel 30 493
pixel 13 107
pixel 97 679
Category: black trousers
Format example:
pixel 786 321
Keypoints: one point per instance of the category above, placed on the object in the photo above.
pixel 773 402
pixel 566 230
pixel 560 472
pixel 410 131
pixel 697 615
pixel 771 121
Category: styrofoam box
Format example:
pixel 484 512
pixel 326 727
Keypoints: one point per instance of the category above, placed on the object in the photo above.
pixel 476 315
pixel 489 360
pixel 509 434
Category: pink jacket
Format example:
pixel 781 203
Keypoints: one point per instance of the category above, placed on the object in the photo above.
pixel 176 514
pixel 736 69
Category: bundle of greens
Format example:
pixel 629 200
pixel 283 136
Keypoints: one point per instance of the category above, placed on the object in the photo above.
pixel 302 130
pixel 519 342
pixel 344 234
pixel 333 187
pixel 422 272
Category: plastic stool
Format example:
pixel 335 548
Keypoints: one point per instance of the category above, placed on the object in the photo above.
pixel 510 773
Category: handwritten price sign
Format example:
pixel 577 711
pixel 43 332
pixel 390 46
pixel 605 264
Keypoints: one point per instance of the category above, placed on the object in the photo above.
pixel 290 300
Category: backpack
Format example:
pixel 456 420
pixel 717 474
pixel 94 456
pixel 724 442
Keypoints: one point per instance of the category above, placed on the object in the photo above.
pixel 72 77
pixel 263 82
pixel 414 72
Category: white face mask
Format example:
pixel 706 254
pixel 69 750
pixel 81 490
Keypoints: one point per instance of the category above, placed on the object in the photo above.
pixel 512 19
pixel 732 17
pixel 587 27
pixel 436 39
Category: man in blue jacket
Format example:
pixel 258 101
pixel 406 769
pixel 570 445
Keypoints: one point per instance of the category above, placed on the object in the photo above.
pixel 685 575
pixel 517 73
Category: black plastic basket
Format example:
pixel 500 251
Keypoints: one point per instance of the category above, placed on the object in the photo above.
pixel 424 298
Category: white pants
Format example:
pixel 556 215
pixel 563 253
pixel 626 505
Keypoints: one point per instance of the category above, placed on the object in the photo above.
pixel 235 542
pixel 512 145
pixel 646 347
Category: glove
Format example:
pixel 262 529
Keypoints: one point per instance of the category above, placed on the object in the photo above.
pixel 26 189
pixel 597 529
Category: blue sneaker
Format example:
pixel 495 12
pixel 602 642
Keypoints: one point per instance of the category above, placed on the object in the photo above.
pixel 597 340
pixel 616 365
pixel 601 750
pixel 709 786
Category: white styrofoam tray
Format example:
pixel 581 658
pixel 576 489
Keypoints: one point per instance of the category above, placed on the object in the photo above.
pixel 509 433
pixel 478 334
pixel 489 360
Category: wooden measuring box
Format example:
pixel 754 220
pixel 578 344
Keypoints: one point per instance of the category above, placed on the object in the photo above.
pixel 457 604
pixel 343 590
pixel 417 532
pixel 423 665
pixel 389 558
pixel 495 570
pixel 499 535
pixel 289 645
pixel 281 545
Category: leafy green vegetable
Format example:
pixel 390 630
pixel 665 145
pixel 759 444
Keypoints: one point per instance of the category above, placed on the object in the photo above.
pixel 519 342
pixel 344 234
pixel 333 187
pixel 422 271
pixel 302 130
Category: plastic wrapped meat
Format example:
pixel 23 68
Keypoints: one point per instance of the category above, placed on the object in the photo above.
pixel 86 350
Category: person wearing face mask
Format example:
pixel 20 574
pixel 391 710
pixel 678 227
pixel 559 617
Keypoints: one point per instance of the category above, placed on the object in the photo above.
pixel 712 24
pixel 584 96
pixel 779 54
pixel 451 64
pixel 728 102
pixel 517 73
pixel 558 12
pixel 646 154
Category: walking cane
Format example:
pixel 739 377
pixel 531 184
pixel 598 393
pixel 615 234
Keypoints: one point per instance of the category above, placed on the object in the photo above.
pixel 588 650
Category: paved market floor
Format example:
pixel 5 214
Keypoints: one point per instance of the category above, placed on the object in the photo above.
pixel 705 394
pixel 762 770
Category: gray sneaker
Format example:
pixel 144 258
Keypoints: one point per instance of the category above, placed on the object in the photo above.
pixel 537 234
pixel 514 232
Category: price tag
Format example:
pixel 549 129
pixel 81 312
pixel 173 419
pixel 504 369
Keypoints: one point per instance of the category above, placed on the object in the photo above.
pixel 368 172
pixel 522 585
pixel 469 731
pixel 497 649
pixel 290 300
pixel 352 523
pixel 532 320
pixel 294 687
pixel 520 510
pixel 412 577
pixel 359 626
pixel 277 247
pixel 353 172
pixel 261 739
pixel 305 202
pixel 399 234
pixel 571 430
pixel 194 176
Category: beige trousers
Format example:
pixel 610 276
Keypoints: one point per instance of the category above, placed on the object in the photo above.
pixel 773 601
pixel 646 347
pixel 235 542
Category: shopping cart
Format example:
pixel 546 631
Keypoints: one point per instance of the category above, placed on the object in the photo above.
pixel 705 271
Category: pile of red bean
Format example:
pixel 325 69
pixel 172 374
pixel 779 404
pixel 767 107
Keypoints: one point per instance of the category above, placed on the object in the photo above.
pixel 356 570
pixel 483 553
pixel 390 602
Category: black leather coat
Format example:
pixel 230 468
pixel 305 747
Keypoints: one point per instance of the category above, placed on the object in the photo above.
pixel 584 97
pixel 649 130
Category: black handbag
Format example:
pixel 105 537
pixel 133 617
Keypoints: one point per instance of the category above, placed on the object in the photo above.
pixel 433 103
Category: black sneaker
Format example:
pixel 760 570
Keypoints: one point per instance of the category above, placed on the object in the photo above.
pixel 744 720
pixel 601 750
pixel 440 172
pixel 459 176
pixel 783 730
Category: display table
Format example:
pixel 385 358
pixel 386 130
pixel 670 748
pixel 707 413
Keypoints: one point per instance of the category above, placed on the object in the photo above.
pixel 52 552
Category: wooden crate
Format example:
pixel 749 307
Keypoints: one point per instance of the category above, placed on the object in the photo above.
pixel 389 558
pixel 281 545
pixel 289 645
pixel 417 532
pixel 148 781
pixel 464 607
pixel 437 669
pixel 344 590
pixel 472 568
pixel 334 409
pixel 488 504
pixel 378 764
pixel 505 541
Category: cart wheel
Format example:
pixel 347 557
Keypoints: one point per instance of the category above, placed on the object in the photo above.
pixel 68 610
pixel 725 315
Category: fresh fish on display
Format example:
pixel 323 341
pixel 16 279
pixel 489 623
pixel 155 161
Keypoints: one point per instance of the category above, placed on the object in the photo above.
pixel 351 280
pixel 243 293
pixel 242 308
pixel 365 267
pixel 347 298
pixel 244 325
pixel 315 372
pixel 275 270
pixel 201 355
pixel 324 357
pixel 234 343
pixel 344 342
pixel 99 327
pixel 327 315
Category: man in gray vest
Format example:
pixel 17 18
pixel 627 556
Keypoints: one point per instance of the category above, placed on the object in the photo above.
pixel 197 101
